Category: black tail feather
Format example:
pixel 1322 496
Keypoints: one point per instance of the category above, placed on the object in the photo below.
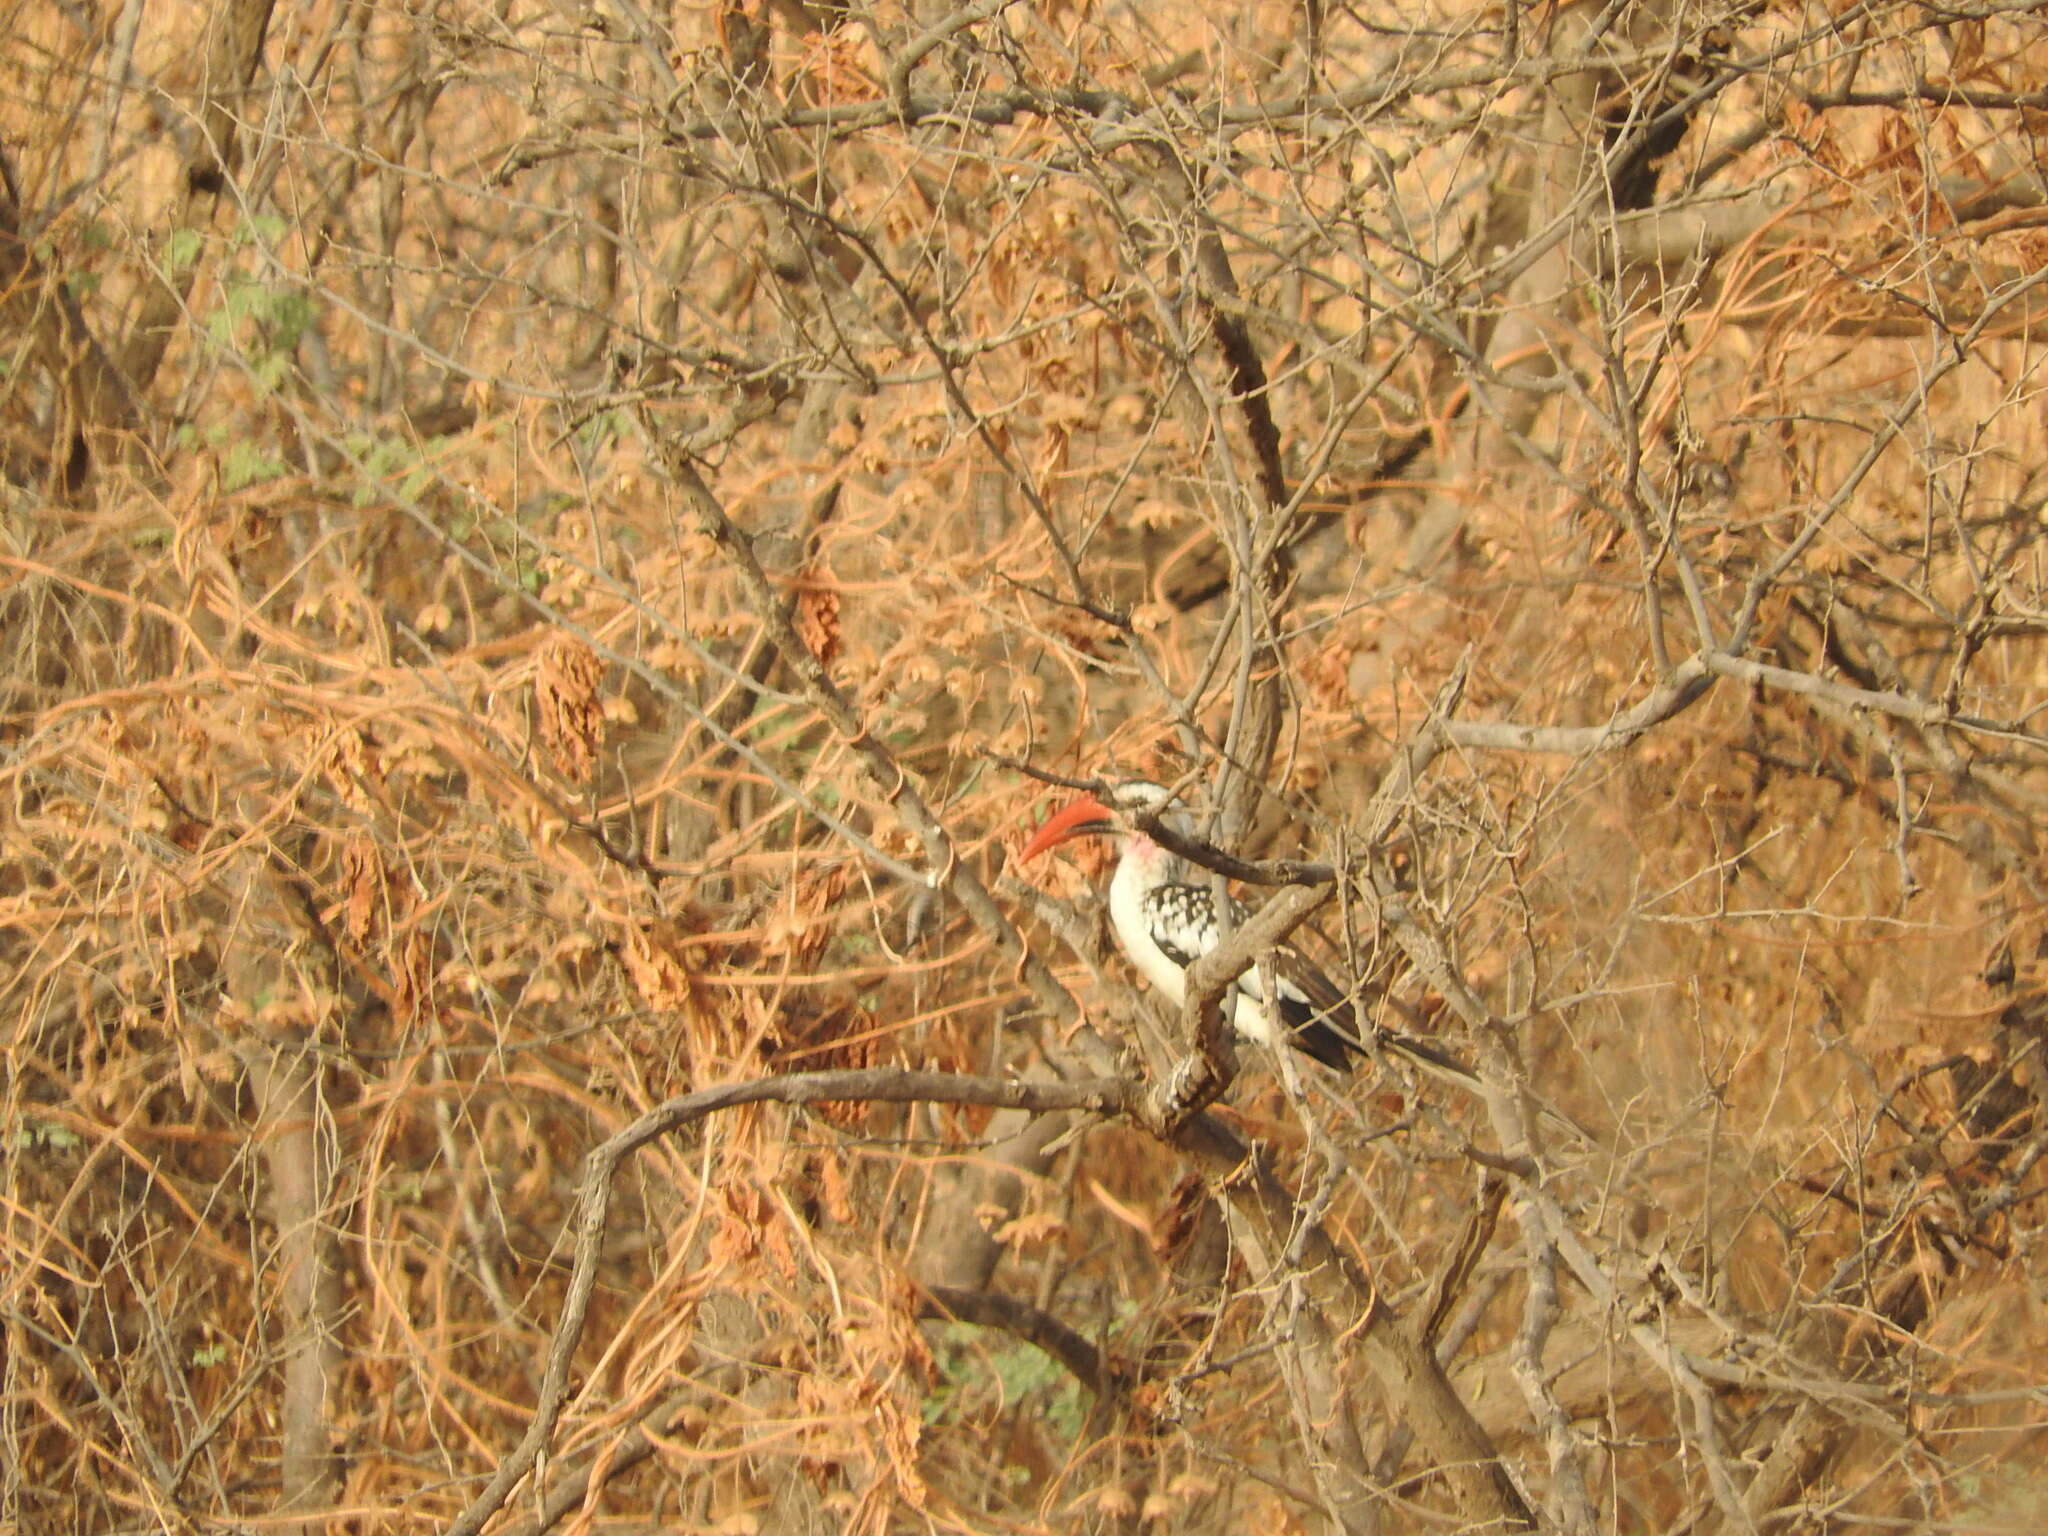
pixel 1325 1043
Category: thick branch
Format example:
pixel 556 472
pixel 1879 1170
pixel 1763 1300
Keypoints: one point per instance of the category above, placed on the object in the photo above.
pixel 1688 682
pixel 97 411
pixel 1034 1325
pixel 237 31
pixel 887 1085
pixel 1198 1080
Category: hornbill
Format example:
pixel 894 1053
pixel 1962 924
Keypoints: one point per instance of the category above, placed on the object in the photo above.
pixel 1164 913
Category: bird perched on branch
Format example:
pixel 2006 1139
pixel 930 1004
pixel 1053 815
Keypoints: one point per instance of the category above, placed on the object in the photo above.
pixel 1163 911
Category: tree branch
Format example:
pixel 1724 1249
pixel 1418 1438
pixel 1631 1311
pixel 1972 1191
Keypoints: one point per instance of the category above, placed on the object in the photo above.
pixel 885 1085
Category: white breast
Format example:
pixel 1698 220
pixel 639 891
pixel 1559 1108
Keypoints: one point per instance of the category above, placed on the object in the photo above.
pixel 1144 867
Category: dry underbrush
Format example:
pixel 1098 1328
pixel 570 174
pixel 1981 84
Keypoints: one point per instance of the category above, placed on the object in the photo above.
pixel 534 543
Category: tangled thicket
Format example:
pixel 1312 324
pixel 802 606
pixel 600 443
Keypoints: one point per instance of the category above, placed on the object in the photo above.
pixel 535 542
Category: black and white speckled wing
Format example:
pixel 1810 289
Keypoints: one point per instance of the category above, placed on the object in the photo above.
pixel 1316 1016
pixel 1181 922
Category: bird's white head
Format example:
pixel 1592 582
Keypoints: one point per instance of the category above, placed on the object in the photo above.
pixel 1107 814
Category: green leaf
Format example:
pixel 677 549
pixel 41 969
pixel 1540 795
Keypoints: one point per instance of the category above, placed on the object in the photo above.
pixel 182 250
pixel 261 229
pixel 246 464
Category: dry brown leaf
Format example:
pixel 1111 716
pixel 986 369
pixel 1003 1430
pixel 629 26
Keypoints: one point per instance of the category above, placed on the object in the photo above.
pixel 1028 1230
pixel 817 621
pixel 657 972
pixel 362 874
pixel 566 698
